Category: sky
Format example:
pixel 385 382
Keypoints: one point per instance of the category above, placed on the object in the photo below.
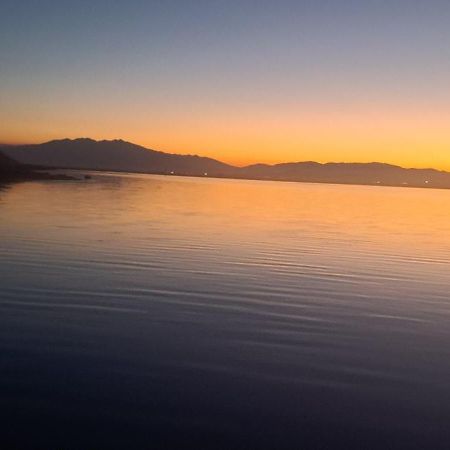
pixel 241 81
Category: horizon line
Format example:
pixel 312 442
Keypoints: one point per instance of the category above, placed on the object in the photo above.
pixel 5 144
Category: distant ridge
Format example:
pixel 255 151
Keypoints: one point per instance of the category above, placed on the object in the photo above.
pixel 116 155
pixel 350 173
pixel 122 156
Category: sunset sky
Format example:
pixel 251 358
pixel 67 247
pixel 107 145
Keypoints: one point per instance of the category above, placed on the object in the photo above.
pixel 242 81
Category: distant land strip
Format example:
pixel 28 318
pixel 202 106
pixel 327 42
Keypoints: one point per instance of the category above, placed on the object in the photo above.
pixel 121 156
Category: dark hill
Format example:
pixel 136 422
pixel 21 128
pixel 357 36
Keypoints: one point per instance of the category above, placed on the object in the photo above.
pixel 11 169
pixel 114 155
pixel 349 173
pixel 8 165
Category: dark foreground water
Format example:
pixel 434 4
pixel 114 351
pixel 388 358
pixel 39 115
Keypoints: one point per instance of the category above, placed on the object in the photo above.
pixel 165 312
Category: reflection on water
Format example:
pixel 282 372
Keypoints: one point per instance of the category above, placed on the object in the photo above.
pixel 165 312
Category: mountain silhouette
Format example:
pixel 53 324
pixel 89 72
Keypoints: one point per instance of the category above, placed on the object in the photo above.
pixel 349 173
pixel 116 155
pixel 122 156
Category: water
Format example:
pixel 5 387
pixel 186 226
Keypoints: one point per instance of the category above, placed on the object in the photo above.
pixel 163 312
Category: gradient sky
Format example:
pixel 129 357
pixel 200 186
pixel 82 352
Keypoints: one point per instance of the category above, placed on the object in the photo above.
pixel 241 81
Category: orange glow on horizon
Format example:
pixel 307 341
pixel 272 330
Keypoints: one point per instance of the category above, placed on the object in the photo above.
pixel 413 137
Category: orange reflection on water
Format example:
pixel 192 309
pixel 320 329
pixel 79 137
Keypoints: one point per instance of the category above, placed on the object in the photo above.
pixel 410 218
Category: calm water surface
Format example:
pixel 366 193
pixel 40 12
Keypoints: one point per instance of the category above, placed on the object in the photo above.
pixel 165 312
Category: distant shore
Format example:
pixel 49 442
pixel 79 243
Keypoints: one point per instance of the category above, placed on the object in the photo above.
pixel 228 177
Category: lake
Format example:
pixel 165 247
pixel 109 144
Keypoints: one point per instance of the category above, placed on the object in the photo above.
pixel 141 311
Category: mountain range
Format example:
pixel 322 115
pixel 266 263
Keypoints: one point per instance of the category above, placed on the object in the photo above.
pixel 122 156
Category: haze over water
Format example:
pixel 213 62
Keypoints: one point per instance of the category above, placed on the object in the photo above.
pixel 140 311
